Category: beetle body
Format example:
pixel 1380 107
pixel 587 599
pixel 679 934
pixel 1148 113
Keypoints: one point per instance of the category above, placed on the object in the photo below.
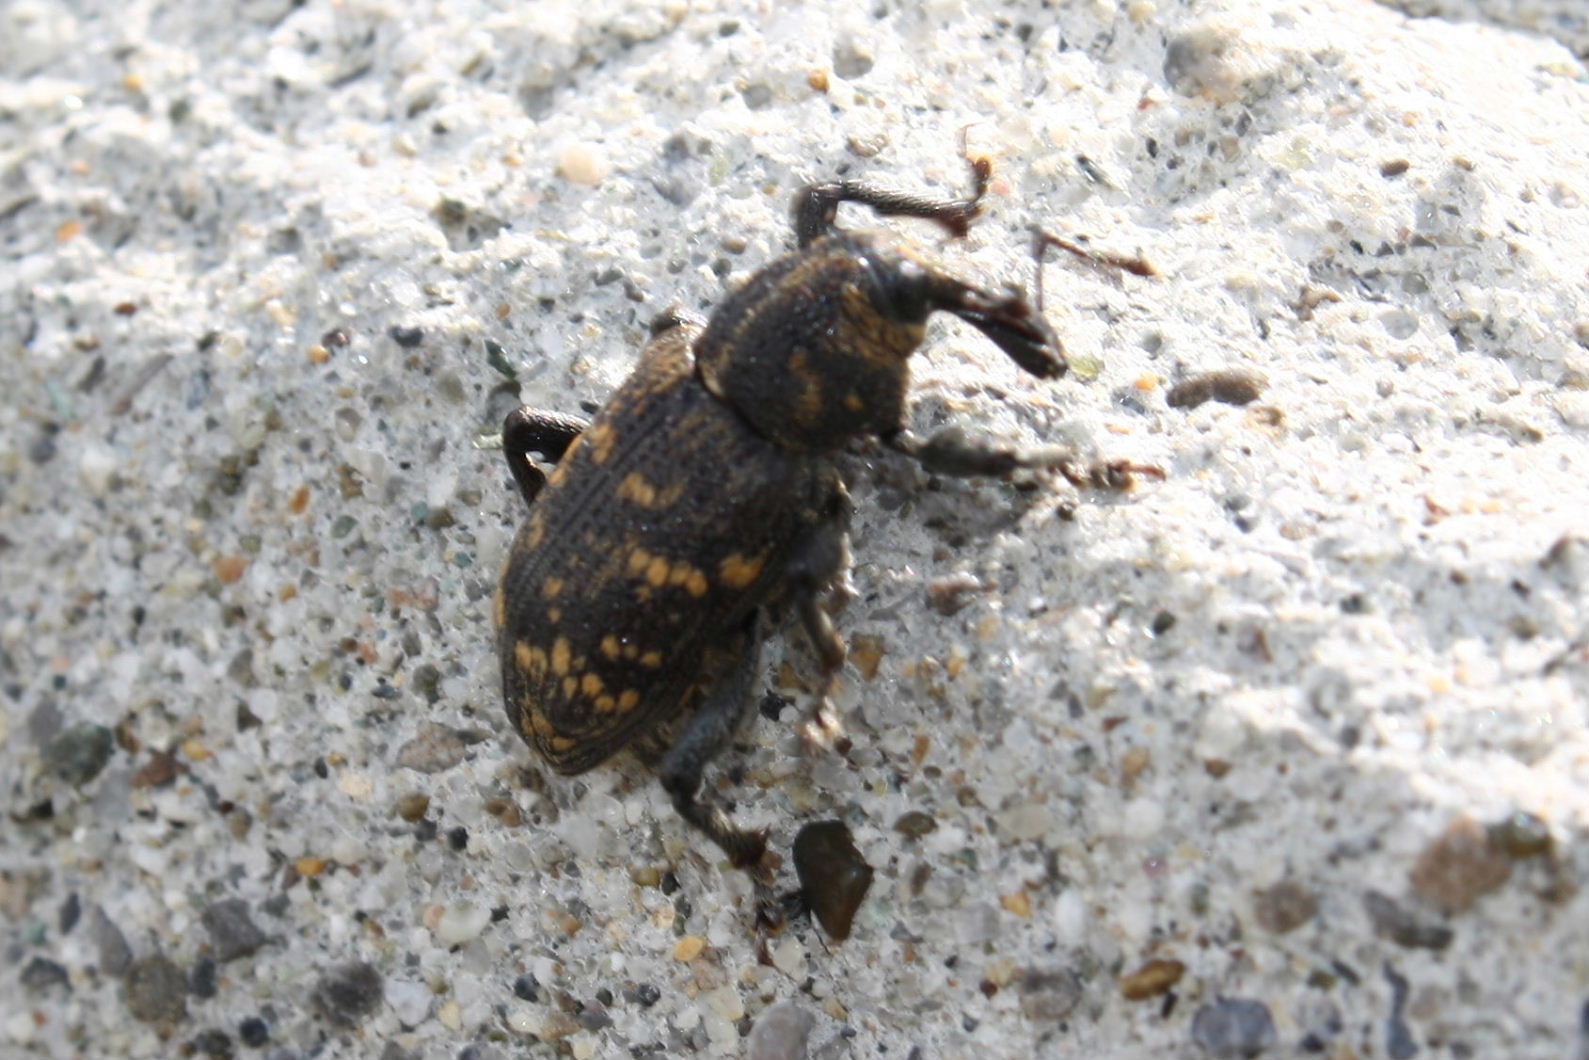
pixel 636 562
pixel 705 499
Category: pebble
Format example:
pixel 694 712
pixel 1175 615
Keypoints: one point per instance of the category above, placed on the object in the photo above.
pixel 1152 979
pixel 436 748
pixel 345 995
pixel 1233 386
pixel 78 754
pixel 461 922
pixel 114 953
pixel 409 1000
pixel 834 878
pixel 1403 927
pixel 215 1044
pixel 1049 996
pixel 156 990
pixel 41 973
pixel 780 1033
pixel 1234 1029
pixel 202 978
pixel 1460 867
pixel 254 1032
pixel 582 164
pixel 233 932
pixel 1285 906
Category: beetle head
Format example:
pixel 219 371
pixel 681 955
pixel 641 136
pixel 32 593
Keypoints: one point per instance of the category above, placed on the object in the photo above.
pixel 1007 319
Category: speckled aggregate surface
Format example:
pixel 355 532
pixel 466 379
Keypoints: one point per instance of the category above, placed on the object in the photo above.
pixel 1286 755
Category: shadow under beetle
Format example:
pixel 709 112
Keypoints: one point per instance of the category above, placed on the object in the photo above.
pixel 704 499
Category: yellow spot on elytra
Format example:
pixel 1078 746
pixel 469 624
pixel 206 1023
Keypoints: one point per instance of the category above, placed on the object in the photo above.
pixel 602 438
pixel 696 584
pixel 852 401
pixel 552 587
pixel 738 571
pixel 639 560
pixel 610 646
pixel 561 744
pixel 631 651
pixel 570 686
pixel 535 531
pixel 657 571
pixel 651 660
pixel 561 655
pixel 634 487
pixel 591 685
pixel 637 489
pixel 629 700
pixel 531 660
pixel 554 615
pixel 605 704
pixel 541 725
pixel 499 608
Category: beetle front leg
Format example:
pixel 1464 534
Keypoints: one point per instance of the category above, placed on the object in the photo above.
pixel 527 431
pixel 816 207
pixel 950 452
pixel 704 736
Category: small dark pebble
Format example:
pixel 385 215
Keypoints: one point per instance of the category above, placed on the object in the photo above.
pixel 525 988
pixel 1234 1029
pixel 458 838
pixel 647 995
pixel 203 980
pixel 1394 168
pixel 1233 386
pixel 233 932
pixel 254 1032
pixel 348 993
pixel 71 912
pixel 780 1032
pixel 1049 996
pixel 407 338
pixel 213 1043
pixel 1403 927
pixel 114 953
pixel 914 824
pixel 336 337
pixel 78 754
pixel 594 1017
pixel 1520 835
pixel 41 973
pixel 833 876
pixel 156 990
pixel 1285 906
pixel 1399 1043
pixel 160 770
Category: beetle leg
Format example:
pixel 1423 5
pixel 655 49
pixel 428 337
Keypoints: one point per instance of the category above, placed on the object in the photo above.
pixel 819 575
pixel 816 206
pixel 527 431
pixel 950 452
pixel 704 736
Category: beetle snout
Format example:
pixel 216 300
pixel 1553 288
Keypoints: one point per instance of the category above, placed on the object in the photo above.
pixel 1024 336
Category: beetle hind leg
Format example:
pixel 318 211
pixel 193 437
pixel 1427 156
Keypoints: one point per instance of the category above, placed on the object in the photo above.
pixel 704 736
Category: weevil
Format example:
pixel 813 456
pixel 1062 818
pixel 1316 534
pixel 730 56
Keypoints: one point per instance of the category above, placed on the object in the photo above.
pixel 704 500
